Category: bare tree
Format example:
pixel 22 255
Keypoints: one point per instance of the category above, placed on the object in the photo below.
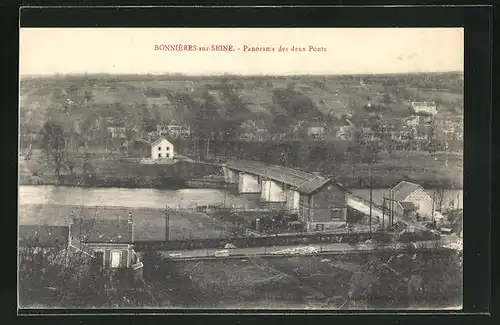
pixel 54 143
pixel 129 136
pixel 439 197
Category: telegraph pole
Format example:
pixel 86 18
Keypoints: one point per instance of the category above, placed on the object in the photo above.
pixel 390 207
pixel 371 200
pixel 391 202
pixel 167 224
pixel 225 195
pixel 433 200
pixel 383 210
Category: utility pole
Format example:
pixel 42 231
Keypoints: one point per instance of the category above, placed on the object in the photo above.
pixel 371 200
pixel 208 145
pixel 391 202
pixel 383 210
pixel 433 200
pixel 225 195
pixel 390 207
pixel 167 224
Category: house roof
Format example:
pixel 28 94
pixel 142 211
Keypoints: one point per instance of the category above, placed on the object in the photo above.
pixel 423 104
pixel 43 236
pixel 408 206
pixel 160 139
pixel 403 189
pixel 302 182
pixel 154 143
pixel 103 230
pixel 313 185
pixel 81 247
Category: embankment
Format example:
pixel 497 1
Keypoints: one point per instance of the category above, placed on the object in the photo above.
pixel 125 173
pixel 440 171
pixel 350 281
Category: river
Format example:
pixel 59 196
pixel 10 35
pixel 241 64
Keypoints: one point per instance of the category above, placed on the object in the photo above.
pixel 131 198
pixel 153 198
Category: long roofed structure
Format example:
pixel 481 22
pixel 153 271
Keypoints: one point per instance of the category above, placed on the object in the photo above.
pixel 302 182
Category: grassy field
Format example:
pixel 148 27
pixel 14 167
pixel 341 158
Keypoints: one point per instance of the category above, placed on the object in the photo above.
pixel 178 97
pixel 440 170
pixel 149 224
pixel 307 281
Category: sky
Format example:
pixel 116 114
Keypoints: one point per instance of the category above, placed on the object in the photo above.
pixel 48 51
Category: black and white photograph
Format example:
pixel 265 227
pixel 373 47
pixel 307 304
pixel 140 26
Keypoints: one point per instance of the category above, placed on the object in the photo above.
pixel 241 168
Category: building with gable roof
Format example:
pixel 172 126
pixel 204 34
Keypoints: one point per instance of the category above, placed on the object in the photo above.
pixel 162 149
pixel 111 240
pixel 423 108
pixel 319 201
pixel 410 199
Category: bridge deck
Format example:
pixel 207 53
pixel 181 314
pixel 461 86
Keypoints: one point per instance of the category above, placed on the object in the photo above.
pixel 301 181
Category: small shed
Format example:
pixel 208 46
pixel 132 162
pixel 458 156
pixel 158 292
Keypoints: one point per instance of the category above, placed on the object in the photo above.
pixel 409 209
pixel 110 239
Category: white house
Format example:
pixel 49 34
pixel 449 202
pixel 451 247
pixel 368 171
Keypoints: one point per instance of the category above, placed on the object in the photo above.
pixel 117 131
pixel 421 201
pixel 174 130
pixel 162 149
pixel 425 108
pixel 316 132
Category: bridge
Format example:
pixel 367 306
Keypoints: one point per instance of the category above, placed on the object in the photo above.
pixel 291 189
pixel 298 191
pixel 257 177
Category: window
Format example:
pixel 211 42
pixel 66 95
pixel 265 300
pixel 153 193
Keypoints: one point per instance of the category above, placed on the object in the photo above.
pixel 115 259
pixel 320 227
pixel 159 149
pixel 159 155
pixel 168 155
pixel 168 148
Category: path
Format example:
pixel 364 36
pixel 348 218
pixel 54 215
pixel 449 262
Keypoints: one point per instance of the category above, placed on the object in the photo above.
pixel 285 250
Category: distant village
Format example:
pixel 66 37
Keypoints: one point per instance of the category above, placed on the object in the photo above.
pixel 421 126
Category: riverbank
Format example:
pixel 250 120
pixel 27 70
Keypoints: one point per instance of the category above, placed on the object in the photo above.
pixel 122 172
pixel 106 181
pixel 175 182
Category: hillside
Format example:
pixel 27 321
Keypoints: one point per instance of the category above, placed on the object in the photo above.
pixel 227 100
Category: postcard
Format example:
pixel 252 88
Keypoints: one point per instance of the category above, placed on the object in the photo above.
pixel 241 168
